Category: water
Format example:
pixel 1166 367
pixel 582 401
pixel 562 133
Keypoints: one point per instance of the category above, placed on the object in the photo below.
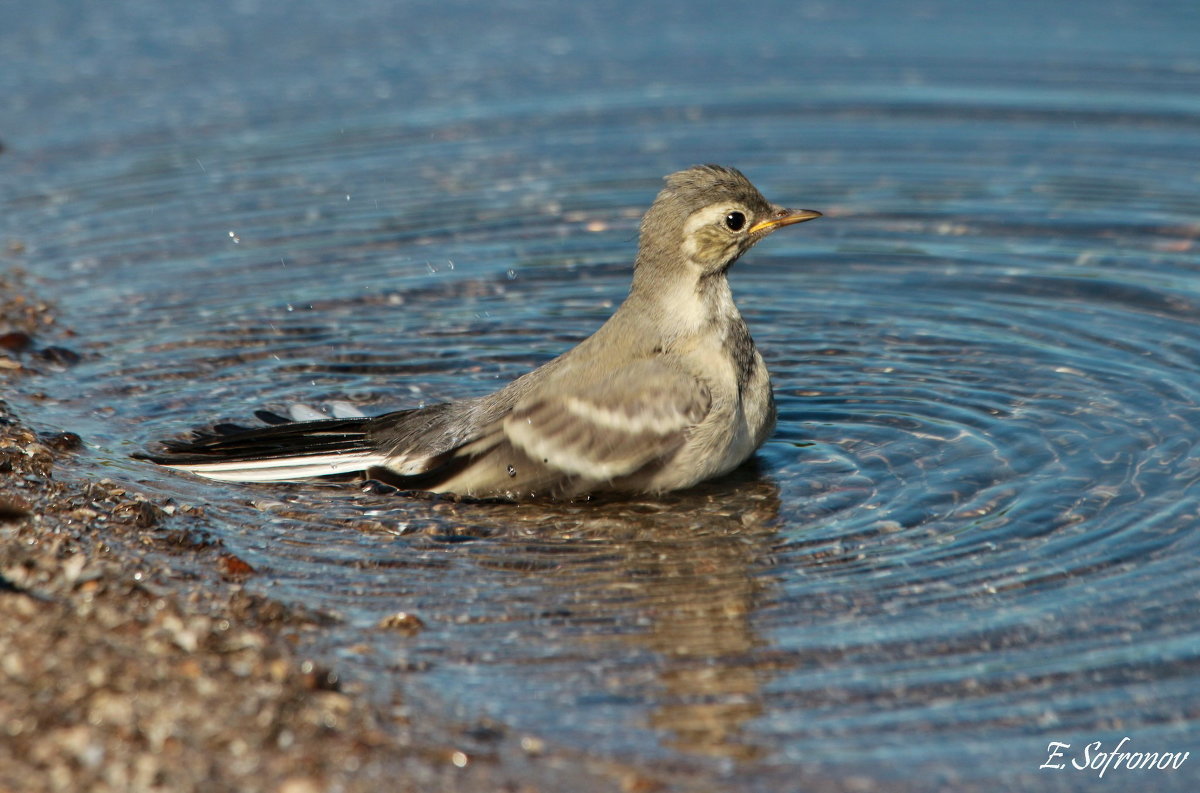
pixel 972 534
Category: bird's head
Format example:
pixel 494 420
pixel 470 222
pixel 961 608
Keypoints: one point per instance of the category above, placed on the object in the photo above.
pixel 705 218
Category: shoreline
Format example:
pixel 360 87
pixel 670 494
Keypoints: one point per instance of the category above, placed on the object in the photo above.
pixel 115 675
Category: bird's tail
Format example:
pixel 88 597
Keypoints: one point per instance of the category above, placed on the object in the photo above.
pixel 283 451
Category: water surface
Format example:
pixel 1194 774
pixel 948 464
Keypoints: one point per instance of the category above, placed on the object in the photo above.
pixel 971 535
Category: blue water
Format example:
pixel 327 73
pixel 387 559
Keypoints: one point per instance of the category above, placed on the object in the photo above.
pixel 972 534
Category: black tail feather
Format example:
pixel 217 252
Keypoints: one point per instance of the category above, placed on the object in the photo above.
pixel 232 442
pixel 267 417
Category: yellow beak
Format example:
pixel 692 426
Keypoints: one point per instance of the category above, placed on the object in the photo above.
pixel 785 217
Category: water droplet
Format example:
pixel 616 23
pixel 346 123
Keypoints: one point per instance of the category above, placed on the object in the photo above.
pixel 233 236
pixel 512 470
pixel 512 275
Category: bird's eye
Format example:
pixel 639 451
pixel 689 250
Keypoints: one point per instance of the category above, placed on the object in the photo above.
pixel 735 221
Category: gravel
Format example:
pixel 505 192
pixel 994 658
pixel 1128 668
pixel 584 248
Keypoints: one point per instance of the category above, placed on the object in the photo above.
pixel 116 674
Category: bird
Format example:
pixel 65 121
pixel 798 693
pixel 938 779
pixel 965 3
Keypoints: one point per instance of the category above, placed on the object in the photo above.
pixel 669 392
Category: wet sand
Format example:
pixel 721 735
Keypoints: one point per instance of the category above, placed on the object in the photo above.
pixel 116 675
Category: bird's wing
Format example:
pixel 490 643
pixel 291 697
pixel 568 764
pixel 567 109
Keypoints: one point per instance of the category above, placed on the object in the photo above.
pixel 639 413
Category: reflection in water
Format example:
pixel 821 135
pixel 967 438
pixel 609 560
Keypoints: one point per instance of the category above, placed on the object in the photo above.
pixel 691 581
pixel 667 588
pixel 702 607
pixel 974 531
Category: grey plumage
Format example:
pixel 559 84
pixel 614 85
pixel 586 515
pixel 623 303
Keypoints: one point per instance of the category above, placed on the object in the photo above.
pixel 670 391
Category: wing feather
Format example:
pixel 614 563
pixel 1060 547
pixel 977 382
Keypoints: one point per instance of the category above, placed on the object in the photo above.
pixel 641 413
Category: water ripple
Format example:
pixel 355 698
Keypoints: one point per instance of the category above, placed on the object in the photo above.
pixel 973 526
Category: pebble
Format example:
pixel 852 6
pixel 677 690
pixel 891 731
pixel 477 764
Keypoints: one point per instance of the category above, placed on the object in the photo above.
pixel 402 622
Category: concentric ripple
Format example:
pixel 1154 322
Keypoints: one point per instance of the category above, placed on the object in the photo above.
pixel 972 534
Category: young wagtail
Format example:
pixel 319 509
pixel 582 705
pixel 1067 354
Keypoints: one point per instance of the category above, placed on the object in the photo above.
pixel 670 391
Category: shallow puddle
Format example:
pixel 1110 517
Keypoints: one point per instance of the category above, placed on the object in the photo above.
pixel 973 533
